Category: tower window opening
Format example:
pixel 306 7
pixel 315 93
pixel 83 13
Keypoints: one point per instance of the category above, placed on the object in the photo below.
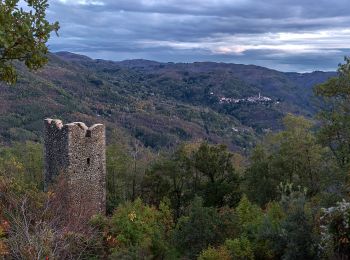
pixel 88 161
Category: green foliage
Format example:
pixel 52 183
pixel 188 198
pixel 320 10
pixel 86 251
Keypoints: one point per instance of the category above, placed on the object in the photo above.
pixel 288 229
pixel 300 240
pixel 23 160
pixel 240 248
pixel 23 36
pixel 249 215
pixel 127 160
pixel 206 171
pixel 250 222
pixel 335 115
pixel 291 155
pixel 215 165
pixel 170 178
pixel 215 254
pixel 259 178
pixel 270 232
pixel 118 173
pixel 197 230
pixel 138 230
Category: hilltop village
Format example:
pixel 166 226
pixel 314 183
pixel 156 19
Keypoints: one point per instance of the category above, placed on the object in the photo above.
pixel 251 99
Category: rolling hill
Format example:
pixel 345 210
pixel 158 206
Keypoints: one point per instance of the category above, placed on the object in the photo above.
pixel 161 104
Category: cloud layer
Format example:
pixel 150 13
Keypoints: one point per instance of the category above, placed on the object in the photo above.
pixel 287 35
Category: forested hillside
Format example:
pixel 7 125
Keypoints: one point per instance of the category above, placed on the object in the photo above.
pixel 199 164
pixel 160 104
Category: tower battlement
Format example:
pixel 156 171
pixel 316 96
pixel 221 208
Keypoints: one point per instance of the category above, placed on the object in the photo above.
pixel 78 152
pixel 54 125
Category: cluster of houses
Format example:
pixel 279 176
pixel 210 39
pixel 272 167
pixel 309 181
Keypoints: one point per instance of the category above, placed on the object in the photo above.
pixel 252 99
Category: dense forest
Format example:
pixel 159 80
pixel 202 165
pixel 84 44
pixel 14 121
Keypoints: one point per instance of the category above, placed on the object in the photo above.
pixel 288 199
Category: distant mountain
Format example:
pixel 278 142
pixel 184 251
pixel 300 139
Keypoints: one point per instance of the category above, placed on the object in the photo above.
pixel 160 104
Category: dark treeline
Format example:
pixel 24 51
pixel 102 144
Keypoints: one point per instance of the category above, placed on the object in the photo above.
pixel 287 200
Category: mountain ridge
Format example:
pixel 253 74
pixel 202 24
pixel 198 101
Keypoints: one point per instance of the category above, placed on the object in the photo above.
pixel 66 54
pixel 160 104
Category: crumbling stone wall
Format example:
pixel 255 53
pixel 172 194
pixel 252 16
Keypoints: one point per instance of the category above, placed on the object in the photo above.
pixel 77 152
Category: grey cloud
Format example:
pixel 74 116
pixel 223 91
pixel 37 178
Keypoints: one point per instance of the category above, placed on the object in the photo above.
pixel 242 8
pixel 190 30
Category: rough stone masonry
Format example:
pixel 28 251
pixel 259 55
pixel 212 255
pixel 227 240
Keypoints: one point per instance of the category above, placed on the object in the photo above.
pixel 77 153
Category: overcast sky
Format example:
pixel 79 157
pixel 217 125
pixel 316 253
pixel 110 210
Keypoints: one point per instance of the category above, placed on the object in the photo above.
pixel 288 35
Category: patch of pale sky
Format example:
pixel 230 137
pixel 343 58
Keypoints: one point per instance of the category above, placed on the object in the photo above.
pixel 297 43
pixel 82 2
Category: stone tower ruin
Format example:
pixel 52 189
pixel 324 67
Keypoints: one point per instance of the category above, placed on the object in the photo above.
pixel 77 153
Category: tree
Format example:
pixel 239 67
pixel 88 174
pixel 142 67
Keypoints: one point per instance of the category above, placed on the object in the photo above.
pixel 197 230
pixel 206 171
pixel 335 114
pixel 258 178
pixel 23 36
pixel 118 175
pixel 221 183
pixel 126 162
pixel 171 178
pixel 249 216
pixel 299 155
pixel 292 155
pixel 298 236
pixel 138 231
pixel 23 160
pixel 288 228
